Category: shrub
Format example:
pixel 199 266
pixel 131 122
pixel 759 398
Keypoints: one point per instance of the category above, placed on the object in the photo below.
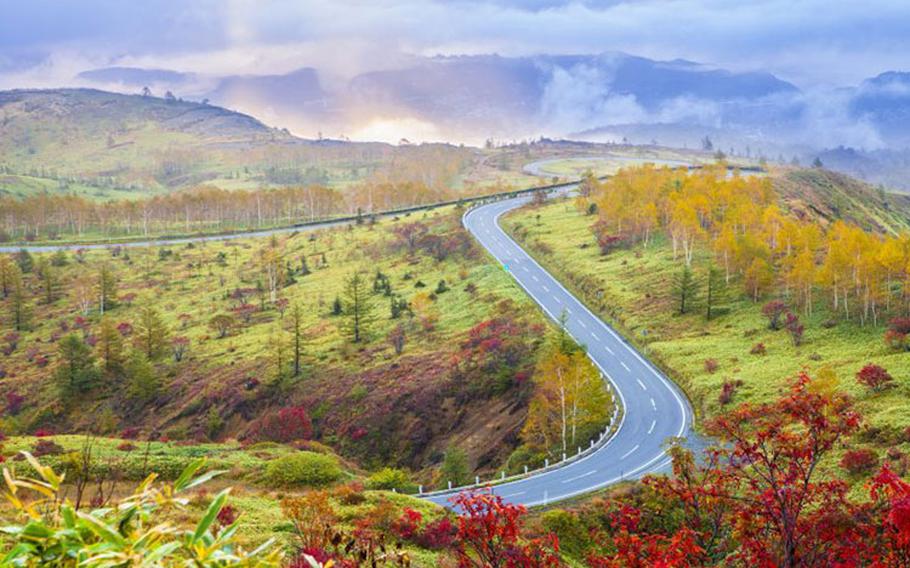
pixel 727 391
pixel 795 328
pixel 389 479
pixel 711 366
pixel 285 425
pixel 758 349
pixel 45 447
pixel 874 377
pixel 774 310
pixel 126 446
pixel 14 402
pixel 128 532
pixel 303 469
pixel 859 461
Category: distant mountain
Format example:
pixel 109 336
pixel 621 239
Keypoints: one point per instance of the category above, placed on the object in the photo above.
pixel 136 77
pixel 885 102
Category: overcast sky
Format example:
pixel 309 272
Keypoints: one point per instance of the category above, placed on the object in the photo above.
pixel 808 42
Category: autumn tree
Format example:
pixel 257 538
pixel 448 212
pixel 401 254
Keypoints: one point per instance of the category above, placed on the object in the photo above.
pixel 569 402
pixel 396 338
pixel 222 324
pixel 47 273
pixel 151 333
pixel 75 373
pixel 6 274
pixel 357 307
pixel 489 535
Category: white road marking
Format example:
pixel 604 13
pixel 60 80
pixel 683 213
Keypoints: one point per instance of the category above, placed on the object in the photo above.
pixel 535 278
pixel 594 335
pixel 653 423
pixel 653 404
pixel 642 385
pixel 557 299
pixel 525 268
pixel 514 494
pixel 627 454
pixel 609 350
pixel 577 477
pixel 582 324
pixel 626 367
pixel 545 289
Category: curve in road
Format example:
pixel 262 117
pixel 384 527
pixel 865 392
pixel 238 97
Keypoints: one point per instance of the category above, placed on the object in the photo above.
pixel 654 409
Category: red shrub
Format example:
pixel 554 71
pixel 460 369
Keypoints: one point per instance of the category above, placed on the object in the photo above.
pixel 874 376
pixel 126 447
pixel 795 328
pixel 727 391
pixel 711 365
pixel 130 433
pixel 758 349
pixel 14 402
pixel 227 516
pixel 42 432
pixel 46 448
pixel 125 328
pixel 859 461
pixel 773 310
pixel 285 425
pixel 407 526
pixel 438 534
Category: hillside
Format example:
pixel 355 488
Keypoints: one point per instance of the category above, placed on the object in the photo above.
pixel 112 146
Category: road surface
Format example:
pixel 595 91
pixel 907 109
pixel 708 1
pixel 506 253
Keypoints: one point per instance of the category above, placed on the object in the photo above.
pixel 654 408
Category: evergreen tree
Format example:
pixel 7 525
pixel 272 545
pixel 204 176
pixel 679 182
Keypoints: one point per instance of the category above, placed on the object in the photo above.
pixel 143 383
pixel 715 291
pixel 109 348
pixel 685 289
pixel 358 307
pixel 18 305
pixel 76 372
pixel 297 336
pixel 107 288
pixel 151 333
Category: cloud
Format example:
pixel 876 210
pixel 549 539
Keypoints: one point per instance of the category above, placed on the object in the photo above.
pixel 807 41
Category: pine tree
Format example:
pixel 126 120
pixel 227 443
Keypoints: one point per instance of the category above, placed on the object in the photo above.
pixel 151 333
pixel 76 372
pixel 107 288
pixel 143 383
pixel 685 289
pixel 358 307
pixel 109 348
pixel 715 291
pixel 19 310
pixel 296 317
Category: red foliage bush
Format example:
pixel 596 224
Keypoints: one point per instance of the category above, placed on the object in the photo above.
pixel 727 390
pixel 874 377
pixel 14 403
pixel 711 366
pixel 438 534
pixel 859 461
pixel 774 310
pixel 42 432
pixel 758 349
pixel 227 516
pixel 126 446
pixel 285 425
pixel 795 328
pixel 46 448
pixel 130 433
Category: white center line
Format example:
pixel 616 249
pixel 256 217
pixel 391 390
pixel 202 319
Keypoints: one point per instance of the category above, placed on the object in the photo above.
pixel 535 278
pixel 514 494
pixel 642 385
pixel 627 454
pixel 653 423
pixel 571 479
pixel 594 335
pixel 545 289
pixel 610 350
pixel 624 366
pixel 557 299
pixel 653 404
pixel 582 324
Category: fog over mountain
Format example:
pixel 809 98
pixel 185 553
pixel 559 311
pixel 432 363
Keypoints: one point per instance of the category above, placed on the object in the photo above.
pixel 597 97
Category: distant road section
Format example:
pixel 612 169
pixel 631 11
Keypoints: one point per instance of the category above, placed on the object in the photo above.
pixel 654 409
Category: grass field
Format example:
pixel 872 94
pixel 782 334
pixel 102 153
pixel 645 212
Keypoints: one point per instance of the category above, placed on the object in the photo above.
pixel 632 289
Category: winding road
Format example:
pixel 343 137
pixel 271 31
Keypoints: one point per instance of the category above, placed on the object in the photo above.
pixel 654 409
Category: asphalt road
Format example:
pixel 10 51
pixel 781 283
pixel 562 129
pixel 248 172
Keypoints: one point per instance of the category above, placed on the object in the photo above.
pixel 654 408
